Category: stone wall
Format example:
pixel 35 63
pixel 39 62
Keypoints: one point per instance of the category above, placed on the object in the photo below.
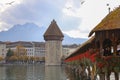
pixel 53 52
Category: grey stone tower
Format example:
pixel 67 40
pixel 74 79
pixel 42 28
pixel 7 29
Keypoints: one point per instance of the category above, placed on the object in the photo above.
pixel 53 37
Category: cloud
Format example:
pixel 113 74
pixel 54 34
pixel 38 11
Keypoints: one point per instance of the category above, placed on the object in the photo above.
pixel 40 12
pixel 3 26
pixel 73 18
pixel 4 6
pixel 91 13
pixel 69 23
pixel 37 11
pixel 71 8
pixel 76 33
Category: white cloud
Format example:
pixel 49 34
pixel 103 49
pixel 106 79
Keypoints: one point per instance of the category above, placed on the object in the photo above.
pixel 4 6
pixel 76 33
pixel 75 19
pixel 71 9
pixel 40 12
pixel 91 12
pixel 4 26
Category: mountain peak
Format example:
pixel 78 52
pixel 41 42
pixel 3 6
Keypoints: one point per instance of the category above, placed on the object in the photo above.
pixel 31 32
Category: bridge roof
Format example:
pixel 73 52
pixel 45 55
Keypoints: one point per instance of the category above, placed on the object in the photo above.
pixel 110 22
pixel 82 48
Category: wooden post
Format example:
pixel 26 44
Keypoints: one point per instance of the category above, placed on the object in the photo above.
pixel 114 48
pixel 102 76
pixel 101 47
pixel 116 75
pixel 108 75
pixel 114 41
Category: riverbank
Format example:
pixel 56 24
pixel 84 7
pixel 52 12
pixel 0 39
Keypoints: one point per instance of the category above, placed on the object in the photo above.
pixel 5 64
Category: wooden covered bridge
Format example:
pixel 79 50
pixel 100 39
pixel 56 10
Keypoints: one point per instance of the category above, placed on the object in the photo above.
pixel 101 51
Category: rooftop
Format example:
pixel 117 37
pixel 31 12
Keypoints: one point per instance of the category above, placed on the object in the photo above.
pixel 53 31
pixel 110 22
pixel 22 43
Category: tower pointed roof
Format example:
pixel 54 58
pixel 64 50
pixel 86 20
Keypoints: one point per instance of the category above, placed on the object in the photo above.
pixel 53 32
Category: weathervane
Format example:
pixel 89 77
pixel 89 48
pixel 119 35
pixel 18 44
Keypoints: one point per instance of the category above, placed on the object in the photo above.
pixel 108 8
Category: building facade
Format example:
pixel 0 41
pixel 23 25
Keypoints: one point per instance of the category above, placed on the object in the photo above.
pixel 30 49
pixel 21 48
pixel 3 50
pixel 68 49
pixel 39 49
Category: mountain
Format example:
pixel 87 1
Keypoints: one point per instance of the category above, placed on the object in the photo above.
pixel 70 40
pixel 32 32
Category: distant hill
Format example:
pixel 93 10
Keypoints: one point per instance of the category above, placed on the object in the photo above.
pixel 32 32
pixel 70 40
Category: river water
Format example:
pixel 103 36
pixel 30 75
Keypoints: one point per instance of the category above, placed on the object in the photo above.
pixel 32 72
pixel 36 72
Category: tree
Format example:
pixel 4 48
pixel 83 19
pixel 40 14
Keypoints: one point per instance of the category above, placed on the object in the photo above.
pixel 37 58
pixel 20 51
pixel 1 58
pixel 26 58
pixel 10 53
pixel 13 58
pixel 43 58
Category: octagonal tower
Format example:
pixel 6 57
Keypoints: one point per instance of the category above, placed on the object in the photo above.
pixel 53 37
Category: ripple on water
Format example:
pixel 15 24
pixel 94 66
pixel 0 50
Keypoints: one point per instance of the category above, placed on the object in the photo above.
pixel 31 72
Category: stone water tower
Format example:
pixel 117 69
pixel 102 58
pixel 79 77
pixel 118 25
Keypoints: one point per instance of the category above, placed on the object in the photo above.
pixel 53 37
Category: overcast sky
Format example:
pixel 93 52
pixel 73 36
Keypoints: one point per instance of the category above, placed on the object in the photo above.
pixel 74 17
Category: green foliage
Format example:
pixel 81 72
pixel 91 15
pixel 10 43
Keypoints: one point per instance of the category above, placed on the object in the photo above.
pixel 86 62
pixel 116 69
pixel 110 64
pixel 13 58
pixel 1 58
pixel 10 53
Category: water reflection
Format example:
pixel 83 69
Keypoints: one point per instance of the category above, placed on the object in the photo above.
pixel 32 72
pixel 54 73
pixel 12 72
pixel 22 72
pixel 70 74
pixel 15 72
